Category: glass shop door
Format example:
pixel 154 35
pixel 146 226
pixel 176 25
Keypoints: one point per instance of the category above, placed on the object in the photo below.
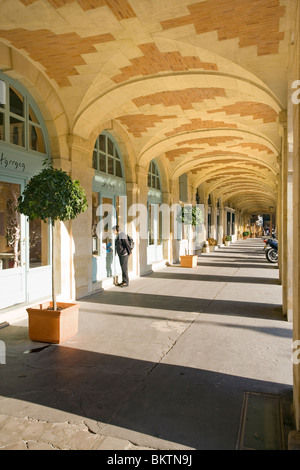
pixel 12 244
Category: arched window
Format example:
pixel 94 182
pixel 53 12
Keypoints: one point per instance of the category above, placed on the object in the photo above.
pixel 20 121
pixel 153 176
pixel 106 156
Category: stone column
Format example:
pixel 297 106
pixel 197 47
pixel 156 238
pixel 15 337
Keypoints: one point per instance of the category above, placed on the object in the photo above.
pixel 63 248
pixel 132 194
pixel 294 125
pixel 286 254
pixel 166 221
pixel 174 199
pixel 81 248
pixel 221 230
pixel 141 223
pixel 213 219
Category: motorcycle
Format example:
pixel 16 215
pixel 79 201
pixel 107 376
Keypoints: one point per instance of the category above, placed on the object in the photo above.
pixel 271 250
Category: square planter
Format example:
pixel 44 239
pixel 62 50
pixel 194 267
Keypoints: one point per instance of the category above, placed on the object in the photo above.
pixel 53 326
pixel 188 261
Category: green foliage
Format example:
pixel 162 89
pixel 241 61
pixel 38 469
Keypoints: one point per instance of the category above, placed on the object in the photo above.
pixel 228 238
pixel 191 215
pixel 51 194
pixel 246 234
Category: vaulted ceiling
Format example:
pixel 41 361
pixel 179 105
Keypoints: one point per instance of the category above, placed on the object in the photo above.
pixel 199 84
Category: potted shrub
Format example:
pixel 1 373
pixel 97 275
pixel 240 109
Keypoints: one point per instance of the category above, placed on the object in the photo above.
pixel 205 248
pixel 246 234
pixel 52 195
pixel 212 242
pixel 227 240
pixel 192 216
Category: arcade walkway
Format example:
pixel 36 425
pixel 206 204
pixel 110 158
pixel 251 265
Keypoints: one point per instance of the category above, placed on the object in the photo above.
pixel 163 364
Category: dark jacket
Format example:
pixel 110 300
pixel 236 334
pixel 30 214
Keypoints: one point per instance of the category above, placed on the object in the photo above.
pixel 122 244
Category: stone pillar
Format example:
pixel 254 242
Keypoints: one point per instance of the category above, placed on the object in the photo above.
pixel 294 148
pixel 142 219
pixel 221 230
pixel 134 265
pixel 166 221
pixel 174 199
pixel 294 125
pixel 286 255
pixel 63 248
pixel 81 256
pixel 214 211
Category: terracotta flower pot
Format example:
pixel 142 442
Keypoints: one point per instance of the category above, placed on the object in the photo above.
pixel 53 326
pixel 188 261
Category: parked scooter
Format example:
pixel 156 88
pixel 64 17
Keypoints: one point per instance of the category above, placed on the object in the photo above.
pixel 271 249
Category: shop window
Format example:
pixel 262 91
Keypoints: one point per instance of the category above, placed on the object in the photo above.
pixel 10 230
pixel 38 243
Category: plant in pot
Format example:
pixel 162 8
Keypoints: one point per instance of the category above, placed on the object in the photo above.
pixel 52 195
pixel 246 234
pixel 227 240
pixel 212 242
pixel 192 216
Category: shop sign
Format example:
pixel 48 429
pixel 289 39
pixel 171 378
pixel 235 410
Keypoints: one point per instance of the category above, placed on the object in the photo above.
pixel 11 164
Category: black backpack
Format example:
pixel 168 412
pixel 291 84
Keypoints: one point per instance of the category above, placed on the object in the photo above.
pixel 131 242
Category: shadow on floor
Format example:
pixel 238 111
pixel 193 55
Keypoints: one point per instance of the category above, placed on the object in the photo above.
pixel 190 407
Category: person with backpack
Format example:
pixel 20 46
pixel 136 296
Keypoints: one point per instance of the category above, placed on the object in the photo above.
pixel 124 245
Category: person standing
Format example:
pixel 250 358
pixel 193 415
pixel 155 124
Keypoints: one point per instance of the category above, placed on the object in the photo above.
pixel 124 251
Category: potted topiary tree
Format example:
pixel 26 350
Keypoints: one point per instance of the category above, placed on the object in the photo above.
pixel 52 195
pixel 191 216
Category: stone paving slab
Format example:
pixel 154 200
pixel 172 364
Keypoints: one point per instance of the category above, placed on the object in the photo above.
pixel 161 365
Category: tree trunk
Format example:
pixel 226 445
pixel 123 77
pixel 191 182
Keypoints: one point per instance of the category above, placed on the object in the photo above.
pixel 53 266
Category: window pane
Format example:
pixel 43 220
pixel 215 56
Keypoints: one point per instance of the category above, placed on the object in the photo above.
pixel 16 102
pixel 102 145
pixel 16 132
pixel 118 169
pixel 110 147
pixel 2 131
pixel 10 233
pixel 153 182
pixel 32 116
pixel 102 162
pixel 151 224
pixel 36 139
pixel 157 183
pixel 95 163
pixel 110 164
pixel 38 243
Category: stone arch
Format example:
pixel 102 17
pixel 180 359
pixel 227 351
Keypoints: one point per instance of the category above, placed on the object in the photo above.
pixel 17 66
